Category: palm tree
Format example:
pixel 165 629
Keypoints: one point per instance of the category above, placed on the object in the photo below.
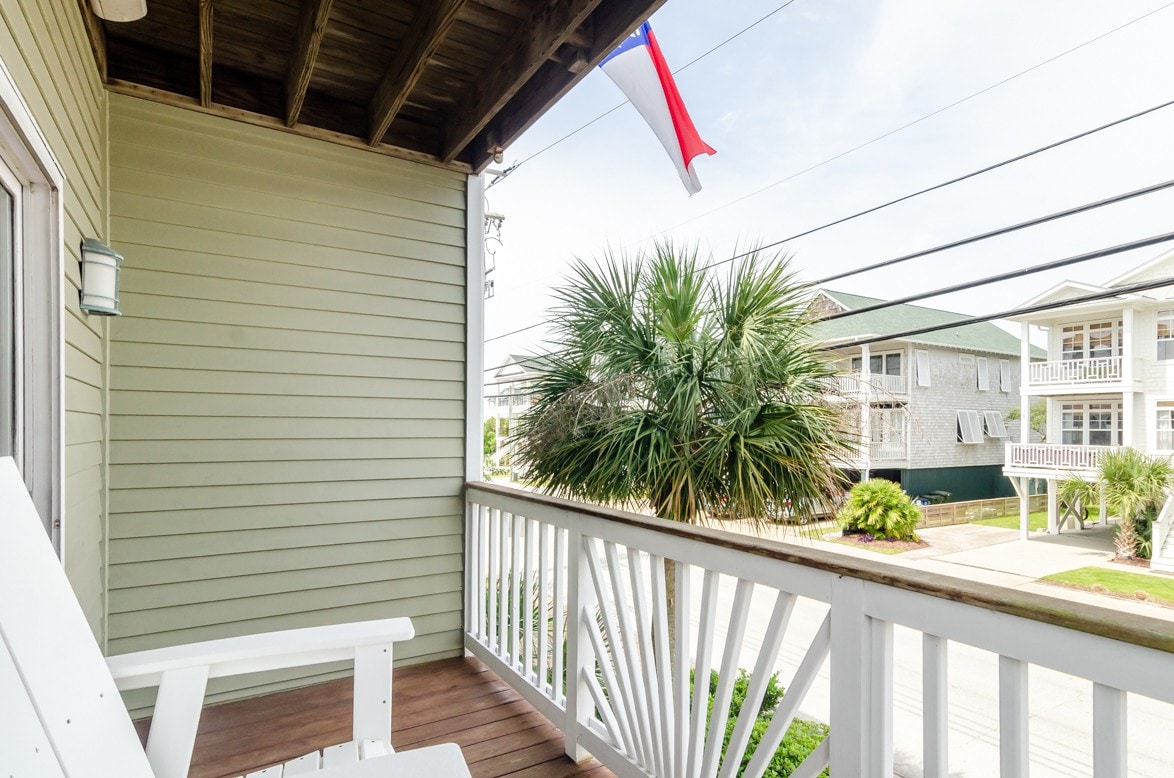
pixel 695 391
pixel 1135 486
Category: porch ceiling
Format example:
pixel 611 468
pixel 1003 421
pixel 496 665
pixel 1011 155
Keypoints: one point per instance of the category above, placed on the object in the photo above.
pixel 445 81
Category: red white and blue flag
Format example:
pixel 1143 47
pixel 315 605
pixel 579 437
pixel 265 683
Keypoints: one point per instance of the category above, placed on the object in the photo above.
pixel 639 70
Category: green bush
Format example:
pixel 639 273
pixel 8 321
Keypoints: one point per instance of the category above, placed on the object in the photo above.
pixel 880 508
pixel 801 739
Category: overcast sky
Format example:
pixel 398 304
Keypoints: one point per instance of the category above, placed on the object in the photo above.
pixel 821 77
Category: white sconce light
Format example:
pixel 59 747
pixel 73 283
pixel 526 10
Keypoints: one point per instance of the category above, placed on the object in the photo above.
pixel 100 266
pixel 120 10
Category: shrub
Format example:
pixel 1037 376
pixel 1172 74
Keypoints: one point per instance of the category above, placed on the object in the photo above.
pixel 801 739
pixel 880 508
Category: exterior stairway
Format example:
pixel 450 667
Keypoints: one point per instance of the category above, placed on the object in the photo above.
pixel 1163 539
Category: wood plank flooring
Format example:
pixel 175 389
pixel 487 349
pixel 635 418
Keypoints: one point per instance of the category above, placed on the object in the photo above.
pixel 453 700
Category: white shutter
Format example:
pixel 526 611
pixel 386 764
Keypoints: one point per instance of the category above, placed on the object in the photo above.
pixel 984 375
pixel 922 358
pixel 1005 375
pixel 995 427
pixel 969 427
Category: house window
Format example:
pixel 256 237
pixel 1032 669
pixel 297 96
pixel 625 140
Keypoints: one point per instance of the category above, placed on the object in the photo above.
pixel 1093 340
pixel 922 365
pixel 984 375
pixel 993 420
pixel 969 427
pixel 880 364
pixel 1072 345
pixel 1090 424
pixel 30 305
pixel 1165 440
pixel 1004 375
pixel 1165 334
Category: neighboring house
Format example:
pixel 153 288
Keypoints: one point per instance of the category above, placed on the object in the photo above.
pixel 509 394
pixel 930 409
pixel 278 430
pixel 1108 379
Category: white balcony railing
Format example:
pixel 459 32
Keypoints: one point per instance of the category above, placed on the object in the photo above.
pixel 881 384
pixel 1049 456
pixel 888 451
pixel 1099 370
pixel 567 603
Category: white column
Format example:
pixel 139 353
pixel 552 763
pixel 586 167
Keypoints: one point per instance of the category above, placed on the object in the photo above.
pixel 1126 347
pixel 474 326
pixel 1024 388
pixel 865 412
pixel 1127 403
pixel 1053 508
pixel 1024 507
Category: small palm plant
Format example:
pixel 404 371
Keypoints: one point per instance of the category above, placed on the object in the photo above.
pixel 881 509
pixel 1135 486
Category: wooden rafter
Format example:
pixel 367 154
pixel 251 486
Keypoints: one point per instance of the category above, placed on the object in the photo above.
pixel 536 40
pixel 205 53
pixel 428 29
pixel 311 28
pixel 612 23
pixel 97 36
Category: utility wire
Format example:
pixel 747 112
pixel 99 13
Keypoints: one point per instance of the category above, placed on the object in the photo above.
pixel 505 173
pixel 930 115
pixel 1087 298
pixel 933 188
pixel 925 252
pixel 1018 273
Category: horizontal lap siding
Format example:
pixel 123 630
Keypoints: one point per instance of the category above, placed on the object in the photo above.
pixel 44 47
pixel 286 388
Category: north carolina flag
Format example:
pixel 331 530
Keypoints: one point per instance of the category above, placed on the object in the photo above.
pixel 639 70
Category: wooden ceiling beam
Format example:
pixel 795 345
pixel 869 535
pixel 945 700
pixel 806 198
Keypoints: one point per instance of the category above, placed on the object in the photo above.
pixel 311 28
pixel 614 22
pixel 424 37
pixel 205 53
pixel 536 40
pixel 97 35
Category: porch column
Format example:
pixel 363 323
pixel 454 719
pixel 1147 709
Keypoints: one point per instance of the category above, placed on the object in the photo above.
pixel 1024 491
pixel 1127 378
pixel 1024 390
pixel 1053 508
pixel 474 326
pixel 865 412
pixel 1127 420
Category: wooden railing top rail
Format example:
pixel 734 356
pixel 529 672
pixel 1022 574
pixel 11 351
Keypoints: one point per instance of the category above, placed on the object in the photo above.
pixel 1128 627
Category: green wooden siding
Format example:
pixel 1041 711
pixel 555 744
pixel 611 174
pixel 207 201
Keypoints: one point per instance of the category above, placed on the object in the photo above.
pixel 44 46
pixel 286 387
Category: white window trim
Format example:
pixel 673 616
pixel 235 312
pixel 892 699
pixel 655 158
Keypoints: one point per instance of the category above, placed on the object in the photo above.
pixel 921 363
pixel 1004 375
pixel 41 354
pixel 969 427
pixel 984 374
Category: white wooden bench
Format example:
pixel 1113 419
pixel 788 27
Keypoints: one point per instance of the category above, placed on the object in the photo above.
pixel 61 713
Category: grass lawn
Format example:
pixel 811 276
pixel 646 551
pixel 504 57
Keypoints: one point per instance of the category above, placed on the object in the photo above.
pixel 1037 520
pixel 1099 579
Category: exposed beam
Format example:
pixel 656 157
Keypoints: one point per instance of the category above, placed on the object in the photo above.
pixel 427 32
pixel 536 40
pixel 612 23
pixel 96 32
pixel 205 53
pixel 311 28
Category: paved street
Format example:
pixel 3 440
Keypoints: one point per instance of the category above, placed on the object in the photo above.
pixel 1061 706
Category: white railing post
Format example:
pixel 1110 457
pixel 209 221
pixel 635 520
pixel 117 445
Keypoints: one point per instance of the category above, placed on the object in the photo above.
pixel 851 686
pixel 580 604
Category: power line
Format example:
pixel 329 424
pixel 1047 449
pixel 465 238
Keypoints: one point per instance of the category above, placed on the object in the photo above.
pixel 1087 298
pixel 1018 273
pixel 930 115
pixel 615 108
pixel 942 247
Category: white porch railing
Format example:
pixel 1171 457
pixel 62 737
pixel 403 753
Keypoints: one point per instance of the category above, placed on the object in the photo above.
pixel 566 602
pixel 1160 531
pixel 881 384
pixel 888 451
pixel 1051 456
pixel 1076 371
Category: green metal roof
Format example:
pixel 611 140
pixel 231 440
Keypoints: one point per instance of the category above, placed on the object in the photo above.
pixel 983 336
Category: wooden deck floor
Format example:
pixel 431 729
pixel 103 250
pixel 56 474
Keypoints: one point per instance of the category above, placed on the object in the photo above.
pixel 454 700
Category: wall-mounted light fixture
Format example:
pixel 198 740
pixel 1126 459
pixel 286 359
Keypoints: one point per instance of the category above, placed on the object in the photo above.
pixel 120 10
pixel 100 266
